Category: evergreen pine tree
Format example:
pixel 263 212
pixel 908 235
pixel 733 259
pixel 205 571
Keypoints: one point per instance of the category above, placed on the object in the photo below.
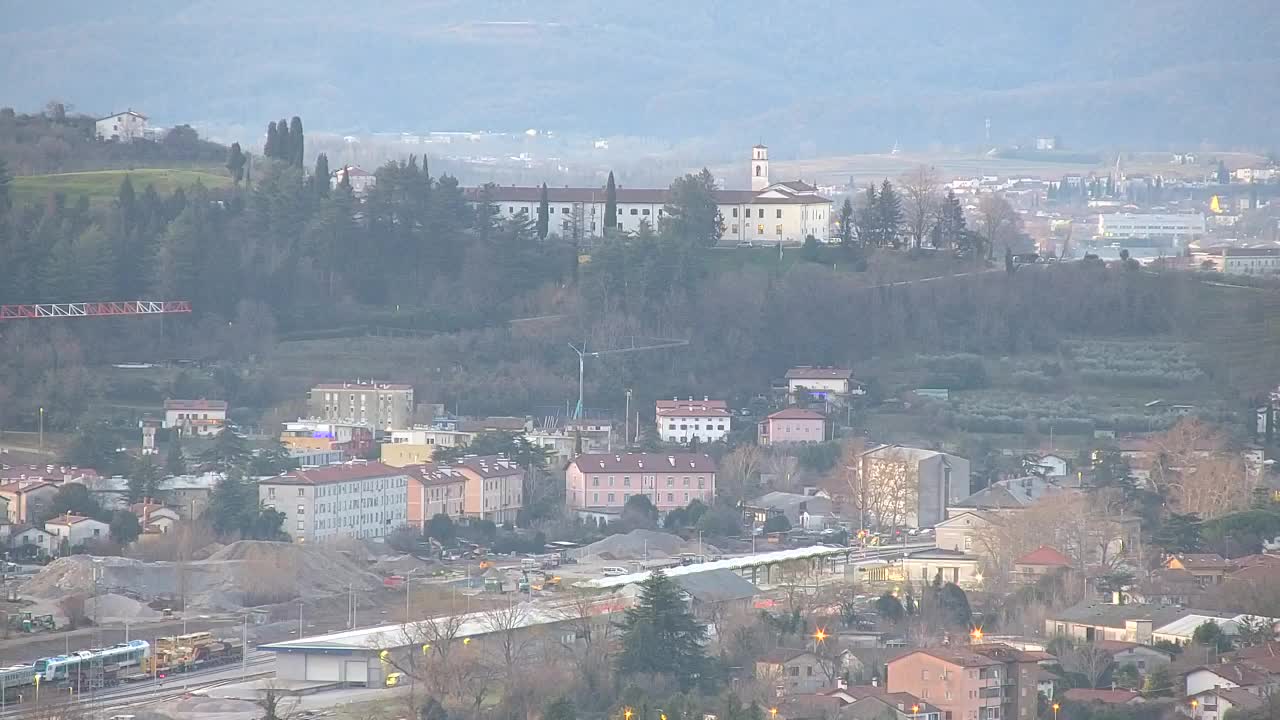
pixel 272 147
pixel 544 214
pixel 610 204
pixel 61 278
pixel 296 142
pixel 865 219
pixel 95 260
pixel 660 636
pixel 144 480
pixel 889 214
pixel 846 223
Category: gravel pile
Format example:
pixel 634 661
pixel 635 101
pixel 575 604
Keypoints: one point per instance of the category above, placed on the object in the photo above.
pixel 637 543
pixel 112 607
pixel 246 573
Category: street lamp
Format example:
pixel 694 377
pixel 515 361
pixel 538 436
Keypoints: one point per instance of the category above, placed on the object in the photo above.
pixel 976 634
pixel 1055 711
pixel 1194 705
pixel 915 710
pixel 627 713
pixel 820 635
pixel 773 712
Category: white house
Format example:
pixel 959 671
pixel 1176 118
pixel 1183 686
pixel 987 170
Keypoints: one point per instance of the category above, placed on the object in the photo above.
pixel 1054 466
pixel 126 126
pixel 362 181
pixel 784 212
pixel 202 418
pixel 36 541
pixel 683 421
pixel 76 529
pixel 826 383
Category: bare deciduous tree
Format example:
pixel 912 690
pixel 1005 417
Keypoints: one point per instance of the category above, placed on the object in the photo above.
pixel 920 195
pixel 998 223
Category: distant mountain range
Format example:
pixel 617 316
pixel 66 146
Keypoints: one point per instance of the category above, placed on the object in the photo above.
pixel 817 77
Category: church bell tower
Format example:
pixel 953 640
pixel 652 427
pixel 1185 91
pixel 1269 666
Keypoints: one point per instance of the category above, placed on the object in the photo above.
pixel 759 168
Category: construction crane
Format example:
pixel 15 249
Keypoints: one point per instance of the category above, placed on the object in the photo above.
pixel 95 309
pixel 583 354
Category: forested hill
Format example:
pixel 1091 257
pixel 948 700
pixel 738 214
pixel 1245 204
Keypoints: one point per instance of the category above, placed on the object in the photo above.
pixel 814 77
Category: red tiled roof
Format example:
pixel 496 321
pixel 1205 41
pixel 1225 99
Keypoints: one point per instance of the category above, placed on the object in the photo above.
pixel 490 466
pixel 1110 697
pixel 215 405
pixel 955 656
pixel 432 475
pixel 797 414
pixel 646 462
pixel 1237 672
pixel 335 474
pixel 1044 555
pixel 779 656
pixel 25 486
pixel 67 519
pixel 1202 561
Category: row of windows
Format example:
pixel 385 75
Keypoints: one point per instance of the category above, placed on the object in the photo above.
pixel 612 498
pixel 626 482
pixel 759 213
pixel 672 426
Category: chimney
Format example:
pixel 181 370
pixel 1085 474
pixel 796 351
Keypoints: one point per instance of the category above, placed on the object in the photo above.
pixel 671 459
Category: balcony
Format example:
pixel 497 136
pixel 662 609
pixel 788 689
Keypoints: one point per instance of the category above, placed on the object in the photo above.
pixel 990 692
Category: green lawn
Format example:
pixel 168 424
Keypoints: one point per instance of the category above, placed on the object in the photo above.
pixel 101 185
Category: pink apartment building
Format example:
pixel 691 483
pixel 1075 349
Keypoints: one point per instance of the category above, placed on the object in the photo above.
pixel 974 682
pixel 793 425
pixel 604 481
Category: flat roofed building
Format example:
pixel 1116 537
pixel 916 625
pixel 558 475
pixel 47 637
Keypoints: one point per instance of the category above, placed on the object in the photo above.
pixel 382 406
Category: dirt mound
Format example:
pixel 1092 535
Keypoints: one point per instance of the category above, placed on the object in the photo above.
pixel 638 544
pixel 118 608
pixel 242 574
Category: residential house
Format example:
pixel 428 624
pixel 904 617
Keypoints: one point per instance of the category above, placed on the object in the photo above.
pixel 884 705
pixel 604 481
pixel 790 671
pixel 1091 621
pixel 1144 658
pixel 1215 703
pixel 780 212
pixel 434 490
pixel 380 406
pixel 982 682
pixel 1165 587
pixel 1227 675
pixel 494 489
pixel 417 445
pixel 361 180
pixel 1042 561
pixel 354 440
pixel 26 499
pixel 201 418
pixel 76 530
pixel 1052 466
pixel 595 436
pixel 154 518
pixel 951 566
pixel 792 426
pixel 685 421
pixel 924 483
pixel 828 384
pixel 1206 568
pixel 1010 494
pixel 357 499
pixel 124 126
pixel 33 542
pixel 1102 697
pixel 792 506
pixel 964 531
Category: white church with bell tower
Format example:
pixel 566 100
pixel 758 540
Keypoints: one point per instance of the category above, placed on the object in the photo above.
pixel 759 168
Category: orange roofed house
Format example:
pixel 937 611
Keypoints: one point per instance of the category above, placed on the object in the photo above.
pixel 357 499
pixel 974 682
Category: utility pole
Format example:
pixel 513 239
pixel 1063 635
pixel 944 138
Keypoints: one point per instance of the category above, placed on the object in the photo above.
pixel 634 346
pixel 626 419
pixel 244 649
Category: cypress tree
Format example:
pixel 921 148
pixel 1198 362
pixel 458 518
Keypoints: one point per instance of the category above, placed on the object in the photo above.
pixel 320 177
pixel 610 204
pixel 544 214
pixel 235 163
pixel 284 149
pixel 272 147
pixel 295 141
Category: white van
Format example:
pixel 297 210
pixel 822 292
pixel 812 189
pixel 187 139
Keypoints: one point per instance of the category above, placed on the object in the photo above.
pixel 614 571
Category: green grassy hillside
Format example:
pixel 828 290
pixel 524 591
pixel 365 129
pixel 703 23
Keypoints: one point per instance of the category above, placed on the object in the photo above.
pixel 102 185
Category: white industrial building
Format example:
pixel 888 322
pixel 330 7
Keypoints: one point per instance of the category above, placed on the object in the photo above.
pixel 1171 229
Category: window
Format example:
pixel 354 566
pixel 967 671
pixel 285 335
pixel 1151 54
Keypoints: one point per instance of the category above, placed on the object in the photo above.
pixel 302 492
pixel 302 509
pixel 671 482
pixel 645 211
pixel 779 211
pixel 511 209
pixel 271 493
pixel 924 674
pixel 734 229
pixel 302 525
pixel 564 211
pixel 610 498
pixel 595 498
pixel 760 213
pixel 794 671
pixel 626 481
pixel 968 543
pixel 735 212
pixel 759 229
pixel 595 481
pixel 634 211
pixel 777 229
pixel 808 670
pixel 671 497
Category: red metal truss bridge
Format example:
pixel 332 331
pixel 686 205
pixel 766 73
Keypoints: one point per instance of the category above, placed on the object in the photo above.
pixel 94 309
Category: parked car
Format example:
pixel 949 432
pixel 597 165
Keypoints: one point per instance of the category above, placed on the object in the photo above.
pixel 746 244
